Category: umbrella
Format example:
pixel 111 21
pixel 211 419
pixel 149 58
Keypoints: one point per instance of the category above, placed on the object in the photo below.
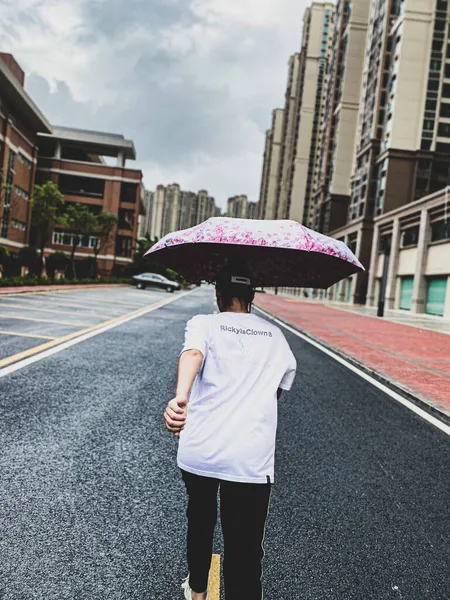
pixel 278 253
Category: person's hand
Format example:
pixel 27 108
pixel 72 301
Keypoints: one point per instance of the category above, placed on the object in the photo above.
pixel 175 415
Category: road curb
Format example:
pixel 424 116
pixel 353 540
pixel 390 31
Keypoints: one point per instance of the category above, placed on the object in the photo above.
pixel 57 288
pixel 420 401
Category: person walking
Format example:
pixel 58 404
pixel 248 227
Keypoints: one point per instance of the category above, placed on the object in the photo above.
pixel 231 373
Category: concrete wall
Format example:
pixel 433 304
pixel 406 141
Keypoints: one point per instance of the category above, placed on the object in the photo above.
pixel 407 260
pixel 413 66
pixel 274 164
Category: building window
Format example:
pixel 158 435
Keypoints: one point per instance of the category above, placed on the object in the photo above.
pixel 440 231
pixel 447 71
pixel 441 147
pixel 384 246
pixel 410 237
pixel 446 90
pixel 7 194
pixel 428 125
pixel 73 185
pixel 444 130
pixel 435 65
pixel 123 246
pixel 20 192
pixel 128 192
pixel 18 225
pixel 126 219
pixel 64 238
pixel 24 160
pixel 445 110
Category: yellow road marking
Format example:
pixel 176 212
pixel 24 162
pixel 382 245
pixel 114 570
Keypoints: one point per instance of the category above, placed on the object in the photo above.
pixel 46 310
pixel 21 318
pixel 30 335
pixel 56 342
pixel 214 578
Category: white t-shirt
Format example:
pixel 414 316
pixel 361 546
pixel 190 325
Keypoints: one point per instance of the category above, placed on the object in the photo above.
pixel 232 411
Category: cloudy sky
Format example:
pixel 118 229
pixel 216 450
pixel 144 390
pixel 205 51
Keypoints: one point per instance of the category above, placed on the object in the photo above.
pixel 192 82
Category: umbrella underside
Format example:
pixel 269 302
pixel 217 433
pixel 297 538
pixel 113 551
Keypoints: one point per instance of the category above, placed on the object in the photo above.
pixel 270 267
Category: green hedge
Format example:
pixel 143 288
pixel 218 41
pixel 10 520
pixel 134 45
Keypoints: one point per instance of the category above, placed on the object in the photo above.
pixel 29 281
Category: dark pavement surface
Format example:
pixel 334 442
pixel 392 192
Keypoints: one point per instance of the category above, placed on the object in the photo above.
pixel 57 314
pixel 92 505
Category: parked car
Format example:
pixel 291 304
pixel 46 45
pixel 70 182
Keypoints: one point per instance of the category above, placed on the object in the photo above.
pixel 154 280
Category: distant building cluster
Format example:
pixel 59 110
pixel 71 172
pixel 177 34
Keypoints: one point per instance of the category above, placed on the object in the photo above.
pixel 361 149
pixel 169 208
pixel 240 208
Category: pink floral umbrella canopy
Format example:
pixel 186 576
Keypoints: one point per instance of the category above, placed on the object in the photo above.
pixel 278 253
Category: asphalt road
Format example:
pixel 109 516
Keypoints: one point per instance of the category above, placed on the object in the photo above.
pixel 92 505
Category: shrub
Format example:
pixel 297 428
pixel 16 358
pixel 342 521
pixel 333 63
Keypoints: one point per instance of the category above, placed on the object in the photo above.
pixel 57 261
pixel 4 254
pixel 32 281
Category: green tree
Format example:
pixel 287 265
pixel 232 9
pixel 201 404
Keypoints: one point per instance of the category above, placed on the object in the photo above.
pixel 29 258
pixel 4 255
pixel 81 222
pixel 57 261
pixel 142 245
pixel 106 225
pixel 46 205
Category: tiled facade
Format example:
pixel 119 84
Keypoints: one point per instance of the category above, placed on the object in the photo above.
pixel 20 122
pixel 73 160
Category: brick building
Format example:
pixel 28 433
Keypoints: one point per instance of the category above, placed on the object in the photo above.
pixel 20 123
pixel 74 159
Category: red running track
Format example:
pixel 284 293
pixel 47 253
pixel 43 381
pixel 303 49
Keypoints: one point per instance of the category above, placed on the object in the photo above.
pixel 417 359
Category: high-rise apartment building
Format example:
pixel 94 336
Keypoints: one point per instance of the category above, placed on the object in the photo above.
pixel 289 130
pixel 148 199
pixel 305 98
pixel 173 209
pixel 271 164
pixel 253 210
pixel 237 207
pixel 403 140
pixel 189 208
pixel 337 149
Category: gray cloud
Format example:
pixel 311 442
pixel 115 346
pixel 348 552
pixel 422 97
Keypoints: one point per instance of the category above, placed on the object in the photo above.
pixel 192 93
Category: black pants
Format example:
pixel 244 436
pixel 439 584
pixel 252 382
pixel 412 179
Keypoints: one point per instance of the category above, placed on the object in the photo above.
pixel 243 513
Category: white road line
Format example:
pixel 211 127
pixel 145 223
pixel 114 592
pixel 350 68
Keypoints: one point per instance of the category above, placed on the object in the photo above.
pixel 407 403
pixel 32 359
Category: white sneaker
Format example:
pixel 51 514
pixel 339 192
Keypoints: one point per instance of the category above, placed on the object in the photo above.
pixel 187 589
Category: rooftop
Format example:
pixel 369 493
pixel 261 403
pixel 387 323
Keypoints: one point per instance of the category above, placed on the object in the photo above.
pixel 98 142
pixel 24 107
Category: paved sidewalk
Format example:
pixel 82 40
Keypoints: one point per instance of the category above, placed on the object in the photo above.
pixel 22 289
pixel 413 358
pixel 405 317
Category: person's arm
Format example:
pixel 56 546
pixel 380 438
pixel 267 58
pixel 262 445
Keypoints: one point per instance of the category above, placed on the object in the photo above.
pixel 176 411
pixel 188 367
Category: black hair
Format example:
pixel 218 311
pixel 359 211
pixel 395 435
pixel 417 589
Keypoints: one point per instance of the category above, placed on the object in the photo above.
pixel 234 281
